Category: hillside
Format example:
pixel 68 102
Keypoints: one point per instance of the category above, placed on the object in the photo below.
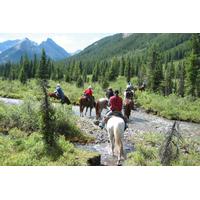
pixel 136 44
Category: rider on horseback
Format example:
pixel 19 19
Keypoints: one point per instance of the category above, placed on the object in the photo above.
pixel 116 103
pixel 59 92
pixel 128 94
pixel 109 93
pixel 88 93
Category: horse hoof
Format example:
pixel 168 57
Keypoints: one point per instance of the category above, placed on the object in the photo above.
pixel 119 163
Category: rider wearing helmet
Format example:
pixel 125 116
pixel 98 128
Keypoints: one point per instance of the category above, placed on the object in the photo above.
pixel 128 94
pixel 88 93
pixel 109 93
pixel 59 92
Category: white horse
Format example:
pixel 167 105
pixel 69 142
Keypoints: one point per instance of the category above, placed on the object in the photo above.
pixel 115 128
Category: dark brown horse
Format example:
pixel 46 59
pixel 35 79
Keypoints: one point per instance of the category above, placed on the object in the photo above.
pixel 100 105
pixel 128 106
pixel 88 103
pixel 66 99
pixel 142 88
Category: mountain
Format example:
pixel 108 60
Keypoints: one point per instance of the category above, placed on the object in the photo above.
pixel 136 44
pixel 54 51
pixel 23 47
pixel 29 48
pixel 76 52
pixel 7 44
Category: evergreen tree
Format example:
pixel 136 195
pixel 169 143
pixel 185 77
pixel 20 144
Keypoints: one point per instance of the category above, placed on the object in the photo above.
pixel 80 82
pixel 193 68
pixel 181 85
pixel 122 66
pixel 112 72
pixel 168 84
pixel 95 73
pixel 127 70
pixel 47 112
pixel 155 74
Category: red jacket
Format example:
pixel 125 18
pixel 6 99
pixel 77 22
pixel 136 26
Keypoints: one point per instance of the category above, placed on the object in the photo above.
pixel 116 103
pixel 88 92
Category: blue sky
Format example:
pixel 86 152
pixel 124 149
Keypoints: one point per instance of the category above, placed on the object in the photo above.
pixel 71 42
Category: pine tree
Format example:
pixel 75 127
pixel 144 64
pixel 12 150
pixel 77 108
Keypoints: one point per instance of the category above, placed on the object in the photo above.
pixel 155 74
pixel 24 71
pixel 127 70
pixel 80 82
pixel 122 66
pixel 181 85
pixel 168 84
pixel 193 68
pixel 47 112
pixel 22 76
pixel 95 73
pixel 112 72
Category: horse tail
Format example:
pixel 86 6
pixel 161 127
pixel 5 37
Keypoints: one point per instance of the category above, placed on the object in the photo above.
pixel 118 141
pixel 97 107
pixel 80 104
pixel 67 100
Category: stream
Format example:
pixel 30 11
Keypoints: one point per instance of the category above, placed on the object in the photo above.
pixel 139 122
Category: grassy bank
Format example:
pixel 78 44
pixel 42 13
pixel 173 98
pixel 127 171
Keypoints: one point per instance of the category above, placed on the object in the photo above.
pixel 147 149
pixel 171 107
pixel 18 149
pixel 21 141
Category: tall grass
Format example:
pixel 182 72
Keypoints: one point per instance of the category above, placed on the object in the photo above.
pixel 17 149
pixel 171 107
pixel 27 118
pixel 147 150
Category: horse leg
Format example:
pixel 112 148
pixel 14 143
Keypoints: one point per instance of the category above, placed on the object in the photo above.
pixel 86 111
pixel 81 110
pixel 119 145
pixel 90 111
pixel 112 143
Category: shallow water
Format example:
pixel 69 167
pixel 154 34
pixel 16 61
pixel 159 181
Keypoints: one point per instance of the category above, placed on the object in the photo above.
pixel 11 101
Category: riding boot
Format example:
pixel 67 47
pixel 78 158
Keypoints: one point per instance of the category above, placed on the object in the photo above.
pixel 126 126
pixel 103 122
pixel 125 121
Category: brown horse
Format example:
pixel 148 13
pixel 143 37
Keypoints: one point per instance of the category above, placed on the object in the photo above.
pixel 88 103
pixel 66 99
pixel 100 105
pixel 142 88
pixel 128 106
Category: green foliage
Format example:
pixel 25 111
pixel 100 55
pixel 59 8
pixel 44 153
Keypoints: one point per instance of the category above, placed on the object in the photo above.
pixel 27 118
pixel 17 149
pixel 155 74
pixel 80 82
pixel 147 150
pixel 171 107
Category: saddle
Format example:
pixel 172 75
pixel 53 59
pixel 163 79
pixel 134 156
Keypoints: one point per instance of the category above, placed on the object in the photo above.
pixel 115 113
